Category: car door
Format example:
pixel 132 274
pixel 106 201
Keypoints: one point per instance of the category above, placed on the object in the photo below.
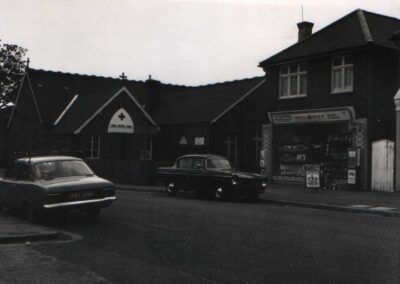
pixel 24 190
pixel 197 177
pixel 7 185
pixel 183 171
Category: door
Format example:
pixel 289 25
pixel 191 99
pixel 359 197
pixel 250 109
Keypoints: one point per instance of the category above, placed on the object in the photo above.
pixel 382 166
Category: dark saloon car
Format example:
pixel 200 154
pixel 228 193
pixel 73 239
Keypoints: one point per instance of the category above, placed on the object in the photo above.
pixel 210 176
pixel 41 186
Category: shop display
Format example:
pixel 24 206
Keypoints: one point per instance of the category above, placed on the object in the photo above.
pixel 327 147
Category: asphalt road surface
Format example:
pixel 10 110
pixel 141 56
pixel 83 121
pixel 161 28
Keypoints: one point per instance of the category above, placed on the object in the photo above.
pixel 149 237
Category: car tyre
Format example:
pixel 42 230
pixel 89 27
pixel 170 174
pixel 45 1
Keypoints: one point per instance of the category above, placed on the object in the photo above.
pixel 170 189
pixel 221 193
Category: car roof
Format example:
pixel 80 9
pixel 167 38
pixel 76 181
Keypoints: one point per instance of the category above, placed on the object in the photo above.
pixel 207 156
pixel 39 159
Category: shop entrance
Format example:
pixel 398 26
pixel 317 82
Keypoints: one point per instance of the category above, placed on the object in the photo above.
pixel 328 145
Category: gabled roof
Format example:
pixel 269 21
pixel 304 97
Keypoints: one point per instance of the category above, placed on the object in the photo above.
pixel 202 104
pixel 357 29
pixel 56 96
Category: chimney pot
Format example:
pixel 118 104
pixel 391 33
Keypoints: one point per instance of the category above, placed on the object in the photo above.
pixel 305 30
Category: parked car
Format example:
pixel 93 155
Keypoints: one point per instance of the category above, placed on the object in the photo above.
pixel 39 186
pixel 210 176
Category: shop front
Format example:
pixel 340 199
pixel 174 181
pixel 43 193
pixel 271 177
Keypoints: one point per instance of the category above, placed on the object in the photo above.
pixel 332 140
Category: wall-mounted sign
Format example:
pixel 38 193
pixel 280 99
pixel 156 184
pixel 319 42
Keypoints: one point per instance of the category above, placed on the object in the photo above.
pixel 312 116
pixel 121 122
pixel 351 176
pixel 199 141
pixel 183 141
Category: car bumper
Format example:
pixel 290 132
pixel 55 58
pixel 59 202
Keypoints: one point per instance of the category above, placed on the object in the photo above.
pixel 102 202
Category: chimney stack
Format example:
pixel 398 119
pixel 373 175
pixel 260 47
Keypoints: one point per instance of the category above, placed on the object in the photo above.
pixel 305 30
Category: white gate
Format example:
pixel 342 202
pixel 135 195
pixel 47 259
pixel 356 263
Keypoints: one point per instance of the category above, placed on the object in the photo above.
pixel 382 165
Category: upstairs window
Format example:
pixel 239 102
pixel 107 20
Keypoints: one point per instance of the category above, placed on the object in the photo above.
pixel 342 74
pixel 293 81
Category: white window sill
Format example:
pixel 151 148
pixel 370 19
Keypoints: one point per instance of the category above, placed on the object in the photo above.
pixel 292 97
pixel 342 91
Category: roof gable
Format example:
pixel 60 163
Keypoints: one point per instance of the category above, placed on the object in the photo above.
pixel 106 103
pixel 25 80
pixel 356 29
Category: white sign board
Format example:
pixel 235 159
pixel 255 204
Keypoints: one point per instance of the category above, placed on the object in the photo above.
pixel 199 141
pixel 121 122
pixel 351 176
pixel 312 116
pixel 312 179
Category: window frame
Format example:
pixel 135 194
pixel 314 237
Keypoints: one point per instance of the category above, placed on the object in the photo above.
pixel 342 67
pixel 297 74
pixel 93 140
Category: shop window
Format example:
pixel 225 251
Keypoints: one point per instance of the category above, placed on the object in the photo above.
pixel 293 81
pixel 231 147
pixel 327 146
pixel 92 147
pixel 342 74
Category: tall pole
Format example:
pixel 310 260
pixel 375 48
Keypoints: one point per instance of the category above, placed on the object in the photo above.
pixel 396 39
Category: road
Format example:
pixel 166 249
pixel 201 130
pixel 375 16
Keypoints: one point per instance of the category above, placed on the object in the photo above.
pixel 148 237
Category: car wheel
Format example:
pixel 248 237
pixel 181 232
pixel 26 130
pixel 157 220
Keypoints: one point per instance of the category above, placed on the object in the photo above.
pixel 221 193
pixel 93 214
pixel 170 188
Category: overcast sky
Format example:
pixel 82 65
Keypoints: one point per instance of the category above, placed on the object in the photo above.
pixel 190 42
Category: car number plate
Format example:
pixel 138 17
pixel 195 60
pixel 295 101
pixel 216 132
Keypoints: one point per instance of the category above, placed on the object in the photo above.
pixel 80 195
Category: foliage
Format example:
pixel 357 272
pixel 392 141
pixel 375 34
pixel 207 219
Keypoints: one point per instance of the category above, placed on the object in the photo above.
pixel 12 68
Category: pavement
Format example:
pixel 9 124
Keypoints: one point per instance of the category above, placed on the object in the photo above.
pixel 365 202
pixel 14 230
pixel 17 230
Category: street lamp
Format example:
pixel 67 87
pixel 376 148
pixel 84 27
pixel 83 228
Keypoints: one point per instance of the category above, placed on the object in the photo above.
pixel 396 40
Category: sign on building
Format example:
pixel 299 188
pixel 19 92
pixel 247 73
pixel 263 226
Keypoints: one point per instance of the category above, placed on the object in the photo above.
pixel 121 122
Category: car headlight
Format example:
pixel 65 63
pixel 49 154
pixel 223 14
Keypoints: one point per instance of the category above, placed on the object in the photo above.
pixel 264 184
pixel 234 182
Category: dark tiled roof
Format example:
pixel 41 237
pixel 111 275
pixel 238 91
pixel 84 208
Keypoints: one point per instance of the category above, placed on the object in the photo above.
pixel 178 104
pixel 203 103
pixel 55 90
pixel 345 33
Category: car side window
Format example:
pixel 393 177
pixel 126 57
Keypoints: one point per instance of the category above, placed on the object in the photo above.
pixel 185 163
pixel 199 163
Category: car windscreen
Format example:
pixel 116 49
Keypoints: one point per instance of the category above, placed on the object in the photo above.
pixel 218 164
pixel 57 169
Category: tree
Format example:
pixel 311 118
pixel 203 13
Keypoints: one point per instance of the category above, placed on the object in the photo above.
pixel 12 69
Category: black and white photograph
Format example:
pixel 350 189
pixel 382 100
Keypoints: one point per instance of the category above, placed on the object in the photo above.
pixel 200 141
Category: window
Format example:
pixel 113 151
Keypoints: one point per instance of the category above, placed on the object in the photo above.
pixel 220 164
pixel 199 163
pixel 257 145
pixel 231 147
pixel 293 81
pixel 146 148
pixel 342 74
pixel 185 163
pixel 92 147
